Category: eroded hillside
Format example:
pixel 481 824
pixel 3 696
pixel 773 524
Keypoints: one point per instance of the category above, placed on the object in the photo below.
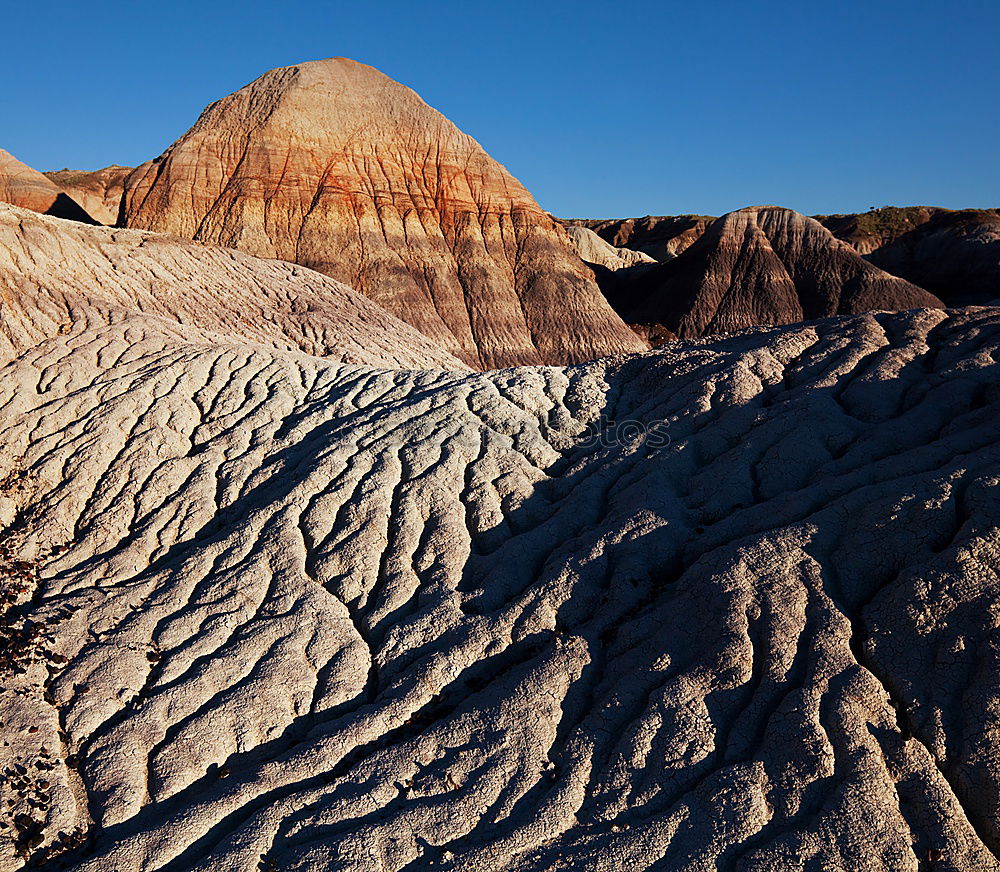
pixel 763 265
pixel 333 165
pixel 60 277
pixel 298 614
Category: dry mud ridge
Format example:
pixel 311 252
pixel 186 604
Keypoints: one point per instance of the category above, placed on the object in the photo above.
pixel 59 276
pixel 268 610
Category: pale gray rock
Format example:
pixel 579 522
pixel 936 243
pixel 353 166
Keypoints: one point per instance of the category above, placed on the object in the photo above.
pixel 595 250
pixel 58 277
pixel 662 237
pixel 730 605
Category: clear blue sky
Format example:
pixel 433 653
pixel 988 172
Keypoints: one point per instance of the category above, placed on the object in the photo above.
pixel 601 109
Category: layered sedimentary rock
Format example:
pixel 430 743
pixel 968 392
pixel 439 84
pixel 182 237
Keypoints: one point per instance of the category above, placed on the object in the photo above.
pixel 660 237
pixel 954 254
pixel 100 192
pixel 58 278
pixel 761 266
pixel 333 165
pixel 730 605
pixel 22 186
pixel 867 231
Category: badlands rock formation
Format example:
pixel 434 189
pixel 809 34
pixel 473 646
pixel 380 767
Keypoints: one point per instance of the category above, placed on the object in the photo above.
pixel 733 605
pixel 22 186
pixel 57 278
pixel 867 231
pixel 662 238
pixel 333 165
pixel 615 269
pixel 99 192
pixel 285 586
pixel 596 252
pixel 954 254
pixel 759 266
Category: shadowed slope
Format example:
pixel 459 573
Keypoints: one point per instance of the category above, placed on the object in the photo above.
pixel 333 165
pixel 954 254
pixel 306 616
pixel 662 238
pixel 99 192
pixel 759 266
pixel 867 231
pixel 22 186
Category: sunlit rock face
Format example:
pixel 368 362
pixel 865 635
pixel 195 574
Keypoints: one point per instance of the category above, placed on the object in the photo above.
pixel 22 186
pixel 100 192
pixel 333 165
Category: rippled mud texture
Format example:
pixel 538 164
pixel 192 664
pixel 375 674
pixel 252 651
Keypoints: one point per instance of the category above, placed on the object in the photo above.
pixel 306 615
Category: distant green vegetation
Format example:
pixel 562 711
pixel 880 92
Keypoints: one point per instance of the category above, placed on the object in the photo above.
pixel 891 220
pixel 67 177
pixel 885 223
